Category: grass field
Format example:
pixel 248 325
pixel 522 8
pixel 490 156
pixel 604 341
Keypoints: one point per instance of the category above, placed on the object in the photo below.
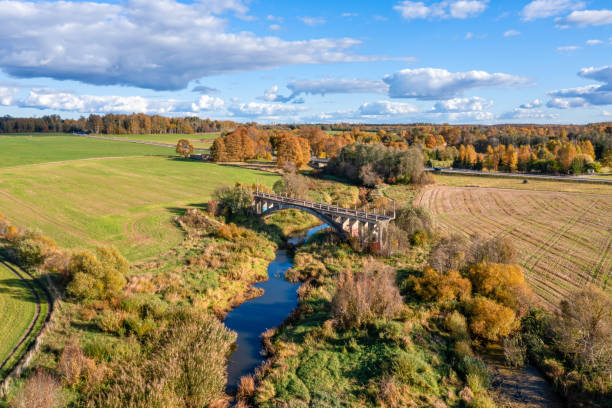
pixel 127 202
pixel 563 230
pixel 18 309
pixel 200 140
pixel 26 149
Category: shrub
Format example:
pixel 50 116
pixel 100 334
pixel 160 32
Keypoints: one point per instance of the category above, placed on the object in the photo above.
pixel 440 287
pixel 449 253
pixel 363 297
pixel 490 320
pixel 246 388
pixel 514 351
pixel 235 199
pixel 293 184
pixel 504 283
pixel 40 391
pixel 413 219
pixel 109 321
pixel 476 373
pixel 73 365
pixel 497 250
pixel 584 330
pixel 97 276
pixel 457 325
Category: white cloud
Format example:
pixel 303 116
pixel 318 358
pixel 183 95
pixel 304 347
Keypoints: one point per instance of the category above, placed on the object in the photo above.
pixel 207 103
pixel 568 48
pixel 326 86
pixel 205 90
pixel 588 18
pixel 528 114
pixel 349 14
pixel 511 33
pixel 6 95
pixel 312 21
pixel 162 44
pixel 386 108
pixel 274 27
pixel 606 113
pixel 469 35
pixel 536 103
pixel 462 105
pixel 594 42
pixel 434 83
pixel 470 116
pixel 68 101
pixel 567 103
pixel 589 95
pixel 266 111
pixel 549 8
pixel 460 9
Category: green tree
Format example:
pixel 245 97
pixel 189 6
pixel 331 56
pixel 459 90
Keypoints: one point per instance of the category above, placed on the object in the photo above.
pixel 97 276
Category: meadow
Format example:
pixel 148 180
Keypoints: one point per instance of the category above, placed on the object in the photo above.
pixel 23 305
pixel 199 140
pixel 126 201
pixel 562 230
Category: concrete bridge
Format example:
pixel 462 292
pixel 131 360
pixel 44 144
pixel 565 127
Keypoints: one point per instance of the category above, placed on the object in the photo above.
pixel 368 227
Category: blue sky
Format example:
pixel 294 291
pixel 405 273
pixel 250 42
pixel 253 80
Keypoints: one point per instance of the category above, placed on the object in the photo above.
pixel 455 61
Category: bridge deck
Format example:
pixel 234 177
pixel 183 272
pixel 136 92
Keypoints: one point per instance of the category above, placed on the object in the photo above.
pixel 332 209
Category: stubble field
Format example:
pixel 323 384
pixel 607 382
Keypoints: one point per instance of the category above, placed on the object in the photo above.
pixel 563 237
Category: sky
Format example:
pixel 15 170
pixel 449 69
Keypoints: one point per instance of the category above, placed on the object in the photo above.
pixel 272 61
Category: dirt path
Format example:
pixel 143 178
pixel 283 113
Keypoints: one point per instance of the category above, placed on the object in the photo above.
pixel 522 387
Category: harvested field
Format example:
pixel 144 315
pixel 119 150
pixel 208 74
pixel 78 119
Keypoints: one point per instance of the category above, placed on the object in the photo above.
pixel 564 238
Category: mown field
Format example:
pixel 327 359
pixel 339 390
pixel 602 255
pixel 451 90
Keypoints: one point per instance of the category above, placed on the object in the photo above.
pixel 563 231
pixel 125 201
pixel 23 309
pixel 200 140
pixel 26 149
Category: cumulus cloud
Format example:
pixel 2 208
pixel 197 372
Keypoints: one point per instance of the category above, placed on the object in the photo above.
pixel 325 86
pixel 586 95
pixel 266 111
pixel 587 18
pixel 207 103
pixel 7 95
pixel 549 8
pixel 512 33
pixel 67 101
pixel 536 103
pixel 462 105
pixel 606 113
pixel 460 9
pixel 528 114
pixel 386 108
pixel 434 83
pixel 160 45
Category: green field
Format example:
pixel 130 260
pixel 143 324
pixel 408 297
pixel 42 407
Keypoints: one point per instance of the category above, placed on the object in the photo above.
pixel 127 202
pixel 26 149
pixel 200 140
pixel 17 311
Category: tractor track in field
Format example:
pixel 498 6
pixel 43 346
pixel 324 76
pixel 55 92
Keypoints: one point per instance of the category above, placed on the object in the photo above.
pixel 29 283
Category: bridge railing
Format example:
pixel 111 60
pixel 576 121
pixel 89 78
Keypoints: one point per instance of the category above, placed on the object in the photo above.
pixel 325 207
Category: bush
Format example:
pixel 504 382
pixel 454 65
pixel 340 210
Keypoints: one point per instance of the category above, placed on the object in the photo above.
pixel 496 250
pixel 490 320
pixel 457 325
pixel 476 373
pixel 441 287
pixel 235 199
pixel 363 297
pixel 40 391
pixel 504 283
pixel 514 351
pixel 293 184
pixel 97 276
pixel 449 253
pixel 110 321
pixel 584 331
pixel 415 219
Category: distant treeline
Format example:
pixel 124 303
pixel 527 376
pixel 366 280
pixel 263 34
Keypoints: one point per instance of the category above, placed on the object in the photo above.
pixel 113 124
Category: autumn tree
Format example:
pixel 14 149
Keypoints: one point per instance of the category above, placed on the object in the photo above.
pixel 99 275
pixel 184 148
pixel 218 151
pixel 292 149
pixel 491 320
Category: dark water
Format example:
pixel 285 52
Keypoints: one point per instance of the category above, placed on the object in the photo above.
pixel 268 311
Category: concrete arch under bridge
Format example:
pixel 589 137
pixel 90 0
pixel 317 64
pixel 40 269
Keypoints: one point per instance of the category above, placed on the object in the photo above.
pixel 368 227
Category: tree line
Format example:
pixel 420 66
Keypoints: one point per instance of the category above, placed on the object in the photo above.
pixel 113 124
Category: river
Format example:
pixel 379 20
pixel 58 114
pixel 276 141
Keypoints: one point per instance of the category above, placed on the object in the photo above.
pixel 268 311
